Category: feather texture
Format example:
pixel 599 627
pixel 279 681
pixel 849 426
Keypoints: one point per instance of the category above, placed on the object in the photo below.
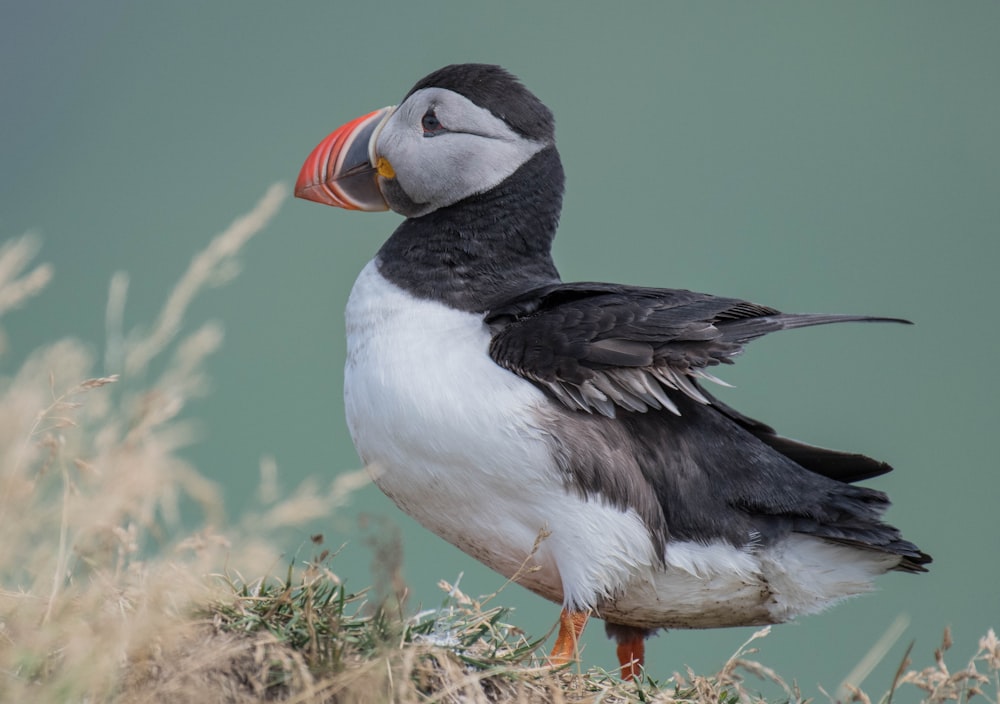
pixel 602 347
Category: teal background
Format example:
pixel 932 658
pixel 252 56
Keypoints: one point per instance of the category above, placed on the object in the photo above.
pixel 840 157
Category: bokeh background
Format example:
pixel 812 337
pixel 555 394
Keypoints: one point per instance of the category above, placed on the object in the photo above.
pixel 811 156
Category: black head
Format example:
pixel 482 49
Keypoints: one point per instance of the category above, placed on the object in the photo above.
pixel 499 91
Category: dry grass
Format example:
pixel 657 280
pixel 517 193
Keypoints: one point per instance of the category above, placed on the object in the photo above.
pixel 105 598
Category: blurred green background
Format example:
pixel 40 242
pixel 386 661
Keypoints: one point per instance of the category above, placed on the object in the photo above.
pixel 839 157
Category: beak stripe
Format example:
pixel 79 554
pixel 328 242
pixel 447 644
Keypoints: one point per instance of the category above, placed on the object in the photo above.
pixel 324 177
pixel 324 174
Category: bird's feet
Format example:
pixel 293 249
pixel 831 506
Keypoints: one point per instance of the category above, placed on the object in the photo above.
pixel 571 625
pixel 631 657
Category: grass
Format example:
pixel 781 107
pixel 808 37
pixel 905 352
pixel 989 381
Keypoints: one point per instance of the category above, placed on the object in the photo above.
pixel 106 597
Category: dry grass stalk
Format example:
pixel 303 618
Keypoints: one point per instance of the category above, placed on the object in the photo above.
pixel 16 287
pixel 90 487
pixel 939 684
pixel 875 655
pixel 214 265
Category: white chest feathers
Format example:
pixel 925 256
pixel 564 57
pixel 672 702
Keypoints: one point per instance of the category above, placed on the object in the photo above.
pixel 451 438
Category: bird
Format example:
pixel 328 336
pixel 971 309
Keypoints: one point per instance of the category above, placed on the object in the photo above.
pixel 568 426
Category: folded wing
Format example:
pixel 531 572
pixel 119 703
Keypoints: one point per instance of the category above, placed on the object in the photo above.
pixel 603 347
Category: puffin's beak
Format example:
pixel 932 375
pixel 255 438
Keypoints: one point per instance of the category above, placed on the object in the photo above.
pixel 342 169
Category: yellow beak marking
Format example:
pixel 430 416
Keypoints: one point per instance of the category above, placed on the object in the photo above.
pixel 384 168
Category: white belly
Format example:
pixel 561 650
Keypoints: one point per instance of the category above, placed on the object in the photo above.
pixel 452 439
pixel 716 585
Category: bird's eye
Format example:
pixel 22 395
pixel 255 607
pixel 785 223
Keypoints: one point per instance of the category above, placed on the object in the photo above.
pixel 431 124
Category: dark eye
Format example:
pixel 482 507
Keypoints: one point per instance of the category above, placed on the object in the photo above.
pixel 430 123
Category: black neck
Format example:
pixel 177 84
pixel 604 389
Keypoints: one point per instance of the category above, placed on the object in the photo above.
pixel 485 248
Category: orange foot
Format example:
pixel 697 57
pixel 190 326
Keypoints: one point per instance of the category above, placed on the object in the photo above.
pixel 571 625
pixel 631 656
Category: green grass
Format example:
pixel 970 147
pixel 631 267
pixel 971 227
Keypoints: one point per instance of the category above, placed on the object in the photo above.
pixel 106 597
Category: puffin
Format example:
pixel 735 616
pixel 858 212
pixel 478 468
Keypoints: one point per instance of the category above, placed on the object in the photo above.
pixel 564 433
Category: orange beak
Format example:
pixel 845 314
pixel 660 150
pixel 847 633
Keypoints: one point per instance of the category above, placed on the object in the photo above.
pixel 341 170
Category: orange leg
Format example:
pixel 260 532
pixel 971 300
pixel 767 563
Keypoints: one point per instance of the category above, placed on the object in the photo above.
pixel 631 656
pixel 571 625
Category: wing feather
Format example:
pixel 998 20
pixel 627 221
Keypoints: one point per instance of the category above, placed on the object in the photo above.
pixel 600 347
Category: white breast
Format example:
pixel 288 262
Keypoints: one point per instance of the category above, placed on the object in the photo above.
pixel 450 437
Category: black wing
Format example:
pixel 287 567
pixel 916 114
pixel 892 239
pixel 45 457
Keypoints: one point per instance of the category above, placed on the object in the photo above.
pixel 598 347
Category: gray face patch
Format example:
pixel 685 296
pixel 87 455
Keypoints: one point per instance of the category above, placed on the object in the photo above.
pixel 471 153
